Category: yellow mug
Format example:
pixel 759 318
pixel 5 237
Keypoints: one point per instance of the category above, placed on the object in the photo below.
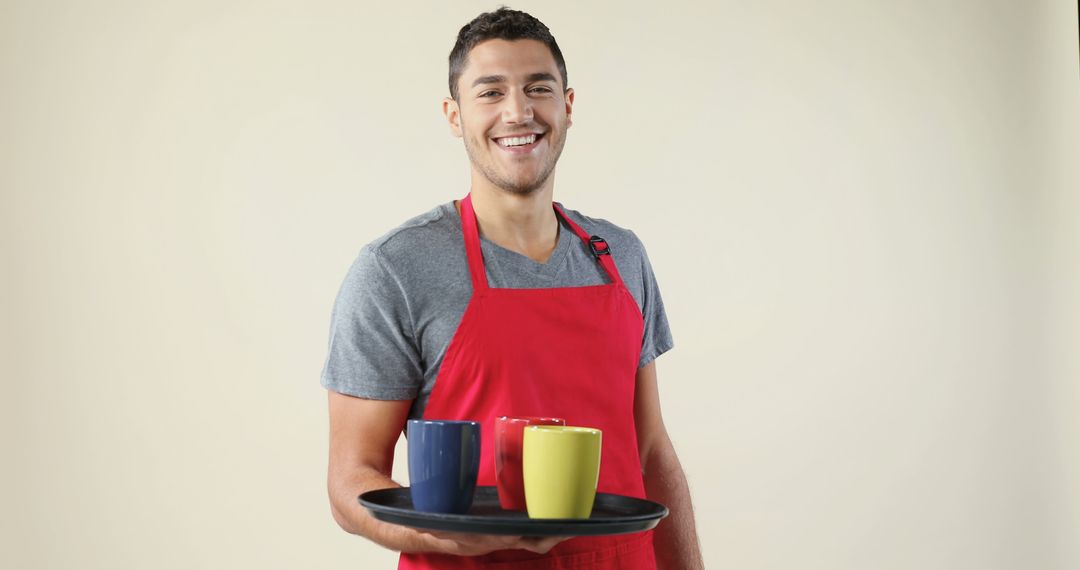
pixel 561 467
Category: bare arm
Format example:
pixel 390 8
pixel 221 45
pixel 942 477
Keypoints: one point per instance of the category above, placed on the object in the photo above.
pixel 363 434
pixel 676 540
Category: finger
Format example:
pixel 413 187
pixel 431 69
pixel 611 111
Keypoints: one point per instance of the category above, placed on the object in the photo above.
pixel 446 545
pixel 467 544
pixel 447 535
pixel 541 544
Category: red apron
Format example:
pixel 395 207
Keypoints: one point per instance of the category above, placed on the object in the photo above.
pixel 567 352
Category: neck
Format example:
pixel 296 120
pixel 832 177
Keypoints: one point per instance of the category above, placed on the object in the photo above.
pixel 525 224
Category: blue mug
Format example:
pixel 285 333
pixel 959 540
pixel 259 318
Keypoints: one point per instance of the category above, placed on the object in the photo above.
pixel 444 460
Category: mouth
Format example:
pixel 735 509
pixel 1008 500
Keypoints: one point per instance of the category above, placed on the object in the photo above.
pixel 519 144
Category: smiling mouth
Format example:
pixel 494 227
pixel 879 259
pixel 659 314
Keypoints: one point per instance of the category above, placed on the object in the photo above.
pixel 519 144
pixel 521 140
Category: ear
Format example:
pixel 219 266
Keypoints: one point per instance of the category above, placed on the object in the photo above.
pixel 569 106
pixel 453 116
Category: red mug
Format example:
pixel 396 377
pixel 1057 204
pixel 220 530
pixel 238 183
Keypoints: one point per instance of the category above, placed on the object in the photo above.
pixel 508 474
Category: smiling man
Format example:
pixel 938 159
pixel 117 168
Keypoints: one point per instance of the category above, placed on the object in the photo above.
pixel 506 303
pixel 515 126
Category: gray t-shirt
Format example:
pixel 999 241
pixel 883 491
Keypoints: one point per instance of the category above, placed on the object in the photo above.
pixel 405 294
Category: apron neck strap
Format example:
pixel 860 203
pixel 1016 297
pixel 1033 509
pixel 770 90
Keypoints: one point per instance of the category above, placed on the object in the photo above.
pixel 597 246
pixel 472 245
pixel 475 256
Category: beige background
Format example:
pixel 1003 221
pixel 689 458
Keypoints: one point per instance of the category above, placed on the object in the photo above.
pixel 863 216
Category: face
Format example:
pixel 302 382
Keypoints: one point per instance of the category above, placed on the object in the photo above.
pixel 512 113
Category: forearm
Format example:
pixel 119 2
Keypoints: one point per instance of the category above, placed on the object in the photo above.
pixel 675 539
pixel 344 488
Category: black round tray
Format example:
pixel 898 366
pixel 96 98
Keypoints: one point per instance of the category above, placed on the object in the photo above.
pixel 611 514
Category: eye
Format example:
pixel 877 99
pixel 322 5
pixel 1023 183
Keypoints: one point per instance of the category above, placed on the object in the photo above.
pixel 488 94
pixel 540 90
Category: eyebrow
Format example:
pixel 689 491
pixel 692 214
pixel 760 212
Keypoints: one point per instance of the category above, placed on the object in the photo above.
pixel 488 79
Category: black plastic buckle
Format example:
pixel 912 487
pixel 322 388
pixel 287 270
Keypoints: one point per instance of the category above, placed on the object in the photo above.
pixel 599 246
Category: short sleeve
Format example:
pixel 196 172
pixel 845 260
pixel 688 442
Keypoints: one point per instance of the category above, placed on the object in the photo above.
pixel 656 338
pixel 372 351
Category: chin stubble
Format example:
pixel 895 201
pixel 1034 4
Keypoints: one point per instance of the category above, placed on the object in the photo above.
pixel 491 174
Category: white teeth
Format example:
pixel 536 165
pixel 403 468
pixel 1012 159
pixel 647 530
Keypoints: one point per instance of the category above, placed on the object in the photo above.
pixel 518 141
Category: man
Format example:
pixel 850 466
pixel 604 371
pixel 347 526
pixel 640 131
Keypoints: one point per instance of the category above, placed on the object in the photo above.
pixel 501 304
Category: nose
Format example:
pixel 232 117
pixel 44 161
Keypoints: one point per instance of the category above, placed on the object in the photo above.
pixel 517 108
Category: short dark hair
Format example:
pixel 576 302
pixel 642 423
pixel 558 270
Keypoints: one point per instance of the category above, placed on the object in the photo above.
pixel 502 24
